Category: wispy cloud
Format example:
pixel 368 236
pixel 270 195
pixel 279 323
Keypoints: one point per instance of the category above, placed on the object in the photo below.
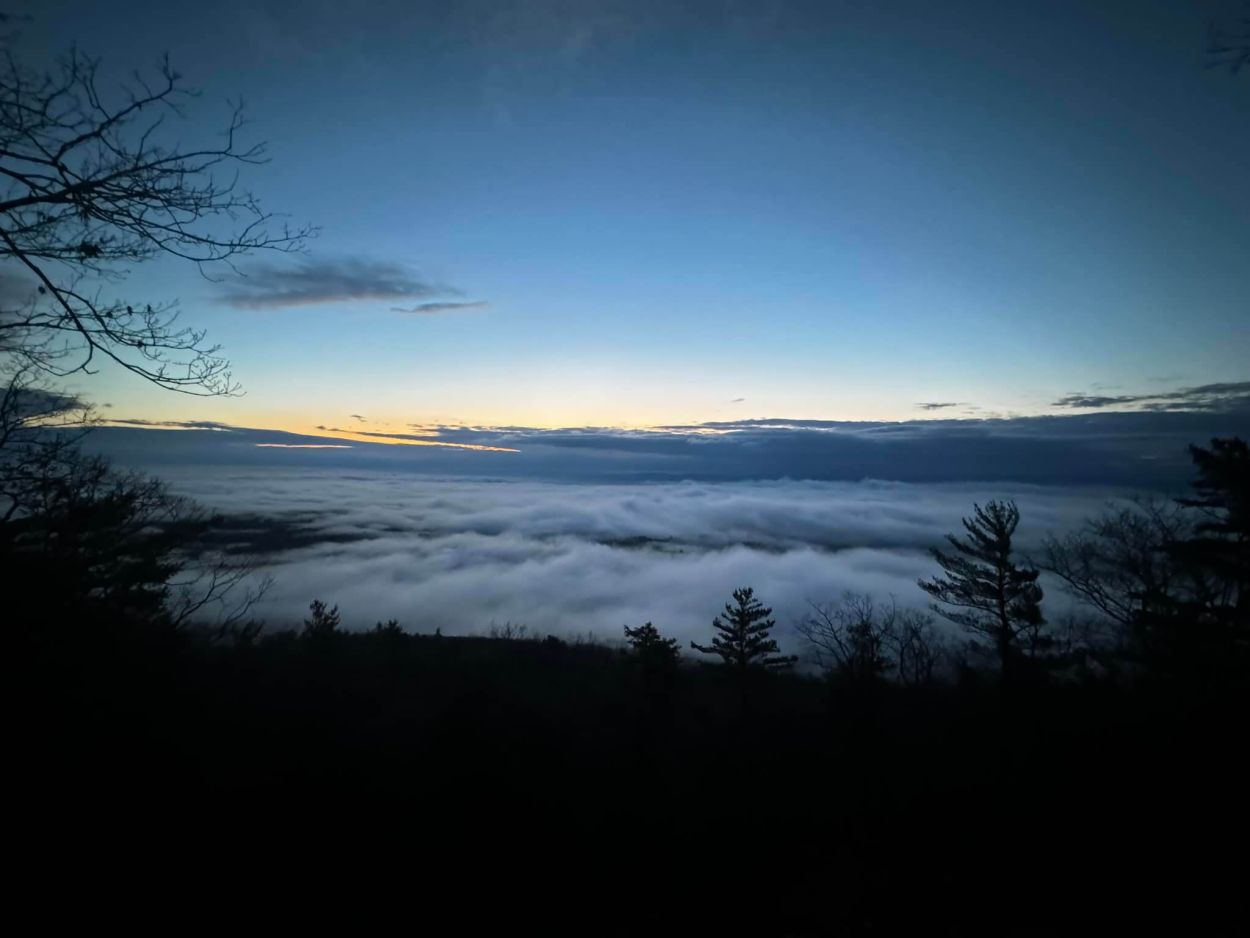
pixel 27 403
pixel 358 417
pixel 737 400
pixel 332 280
pixel 1206 397
pixel 432 309
pixel 168 424
pixel 939 405
pixel 413 439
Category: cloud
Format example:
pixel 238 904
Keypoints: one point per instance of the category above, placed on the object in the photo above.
pixel 419 439
pixel 939 405
pixel 168 424
pixel 593 528
pixel 430 309
pixel 37 404
pixel 354 417
pixel 1144 448
pixel 329 281
pixel 738 400
pixel 1206 397
pixel 460 555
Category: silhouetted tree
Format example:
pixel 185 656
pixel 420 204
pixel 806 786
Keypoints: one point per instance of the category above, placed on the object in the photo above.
pixel 1119 564
pixel 512 633
pixel 390 628
pixel 994 598
pixel 862 641
pixel 656 660
pixel 849 638
pixel 743 641
pixel 322 622
pixel 39 429
pixel 88 188
pixel 1223 487
pixel 1122 565
pixel 1219 546
pixel 90 185
pixel 917 648
pixel 650 646
pixel 82 542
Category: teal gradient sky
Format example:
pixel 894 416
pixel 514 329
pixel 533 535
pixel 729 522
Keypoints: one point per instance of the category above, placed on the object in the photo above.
pixel 830 210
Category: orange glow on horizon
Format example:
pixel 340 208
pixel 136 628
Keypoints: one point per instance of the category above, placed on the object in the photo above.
pixel 392 440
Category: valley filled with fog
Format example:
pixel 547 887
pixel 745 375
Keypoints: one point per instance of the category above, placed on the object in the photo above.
pixel 465 555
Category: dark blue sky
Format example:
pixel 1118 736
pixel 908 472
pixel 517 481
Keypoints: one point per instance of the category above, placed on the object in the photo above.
pixel 711 211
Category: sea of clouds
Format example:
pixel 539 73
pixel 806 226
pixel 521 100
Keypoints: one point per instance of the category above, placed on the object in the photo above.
pixel 564 558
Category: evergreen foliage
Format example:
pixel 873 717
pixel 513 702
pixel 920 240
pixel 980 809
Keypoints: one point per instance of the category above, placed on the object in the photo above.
pixel 996 600
pixel 83 542
pixel 743 640
pixel 1217 613
pixel 322 622
pixel 650 646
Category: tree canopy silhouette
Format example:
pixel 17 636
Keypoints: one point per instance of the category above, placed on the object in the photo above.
pixel 650 646
pixel 1118 564
pixel 993 597
pixel 91 184
pixel 323 621
pixel 1219 547
pixel 862 641
pixel 82 542
pixel 742 639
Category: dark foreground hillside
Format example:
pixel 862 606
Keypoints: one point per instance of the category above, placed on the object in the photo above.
pixel 427 770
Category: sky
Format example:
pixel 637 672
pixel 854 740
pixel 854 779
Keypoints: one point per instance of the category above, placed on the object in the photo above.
pixel 634 214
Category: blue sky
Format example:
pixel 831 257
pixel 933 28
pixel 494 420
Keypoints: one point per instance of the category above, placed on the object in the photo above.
pixel 681 213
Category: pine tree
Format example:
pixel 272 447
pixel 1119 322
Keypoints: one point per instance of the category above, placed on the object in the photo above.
pixel 1001 601
pixel 743 640
pixel 655 658
pixel 1223 498
pixel 650 646
pixel 323 623
pixel 1214 622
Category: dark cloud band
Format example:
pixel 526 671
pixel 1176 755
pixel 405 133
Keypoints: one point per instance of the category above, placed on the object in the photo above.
pixel 1138 449
pixel 329 281
pixel 1209 397
pixel 433 309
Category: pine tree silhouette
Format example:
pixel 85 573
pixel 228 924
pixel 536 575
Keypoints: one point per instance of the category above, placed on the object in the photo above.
pixel 1002 600
pixel 323 623
pixel 743 641
pixel 1216 618
pixel 650 646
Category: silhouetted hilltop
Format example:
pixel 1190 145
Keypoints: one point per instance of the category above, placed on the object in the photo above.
pixel 873 804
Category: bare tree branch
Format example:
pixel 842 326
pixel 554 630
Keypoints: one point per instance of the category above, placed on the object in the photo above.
pixel 88 187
